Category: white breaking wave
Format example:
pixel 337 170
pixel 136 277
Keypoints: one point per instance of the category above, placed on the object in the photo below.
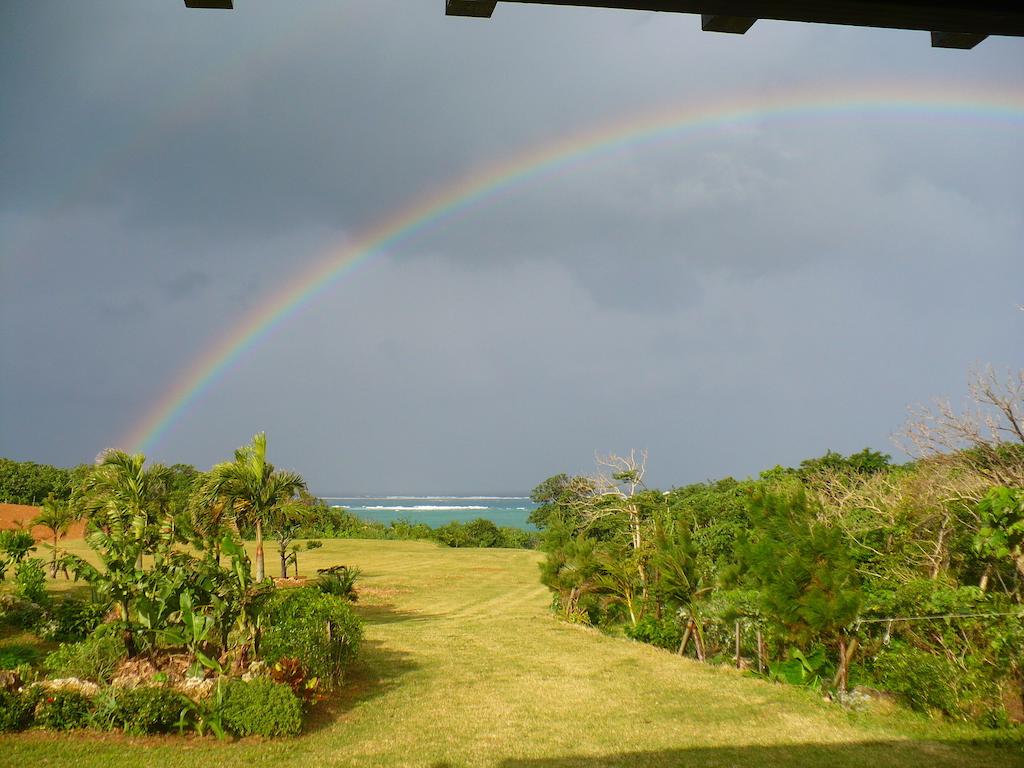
pixel 426 508
pixel 425 498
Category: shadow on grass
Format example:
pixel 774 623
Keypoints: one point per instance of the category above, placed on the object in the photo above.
pixel 378 670
pixel 871 754
pixel 388 614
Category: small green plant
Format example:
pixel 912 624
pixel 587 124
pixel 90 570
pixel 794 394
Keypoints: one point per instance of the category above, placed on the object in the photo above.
pixel 260 707
pixel 209 714
pixel 63 710
pixel 30 580
pixel 96 658
pixel 338 580
pixel 808 669
pixel 148 710
pixel 17 709
pixel 291 673
pixel 14 547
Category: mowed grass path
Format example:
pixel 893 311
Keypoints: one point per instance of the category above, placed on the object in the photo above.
pixel 464 665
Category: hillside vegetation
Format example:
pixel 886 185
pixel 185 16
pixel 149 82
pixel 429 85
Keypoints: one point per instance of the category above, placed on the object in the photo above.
pixel 465 665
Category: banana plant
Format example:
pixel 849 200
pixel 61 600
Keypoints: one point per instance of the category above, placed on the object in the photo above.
pixel 243 599
pixel 193 632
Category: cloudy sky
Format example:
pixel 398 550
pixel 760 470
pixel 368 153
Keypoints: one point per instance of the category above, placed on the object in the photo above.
pixel 728 298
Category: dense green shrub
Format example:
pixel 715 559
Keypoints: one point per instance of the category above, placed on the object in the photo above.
pixel 17 709
pixel 664 633
pixel 923 680
pixel 19 612
pixel 517 538
pixel 30 580
pixel 150 709
pixel 71 620
pixel 15 655
pixel 63 710
pixel 260 707
pixel 96 658
pixel 320 630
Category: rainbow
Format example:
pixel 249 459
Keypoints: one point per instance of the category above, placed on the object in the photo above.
pixel 912 101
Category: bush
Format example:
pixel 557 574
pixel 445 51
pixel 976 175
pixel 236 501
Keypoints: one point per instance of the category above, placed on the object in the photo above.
pixel 17 709
pixel 320 630
pixel 923 680
pixel 260 707
pixel 338 580
pixel 96 658
pixel 517 538
pixel 30 580
pixel 71 620
pixel 19 612
pixel 146 710
pixel 17 654
pixel 63 710
pixel 664 633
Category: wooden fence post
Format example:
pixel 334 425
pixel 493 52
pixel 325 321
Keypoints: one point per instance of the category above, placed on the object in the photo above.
pixel 737 643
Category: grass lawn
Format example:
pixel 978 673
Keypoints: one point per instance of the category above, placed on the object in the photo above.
pixel 464 666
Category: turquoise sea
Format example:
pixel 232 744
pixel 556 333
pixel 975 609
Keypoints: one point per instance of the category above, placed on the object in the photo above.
pixel 439 510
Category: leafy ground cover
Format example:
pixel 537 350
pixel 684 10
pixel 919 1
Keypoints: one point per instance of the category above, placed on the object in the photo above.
pixel 464 665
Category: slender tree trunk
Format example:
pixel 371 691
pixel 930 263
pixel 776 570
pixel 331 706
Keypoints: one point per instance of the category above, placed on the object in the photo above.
pixel 937 557
pixel 128 634
pixel 284 561
pixel 845 655
pixel 698 639
pixel 53 566
pixel 260 570
pixel 760 653
pixel 737 645
pixel 686 638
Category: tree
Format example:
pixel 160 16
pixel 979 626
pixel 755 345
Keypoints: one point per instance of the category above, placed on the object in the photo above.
pixel 1001 535
pixel 987 436
pixel 126 506
pixel 803 570
pixel 560 495
pixel 678 581
pixel 257 489
pixel 284 523
pixel 57 516
pixel 570 569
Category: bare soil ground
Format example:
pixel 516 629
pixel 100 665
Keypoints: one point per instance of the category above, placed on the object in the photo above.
pixel 11 515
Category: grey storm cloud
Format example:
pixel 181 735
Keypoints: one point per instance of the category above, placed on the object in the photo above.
pixel 728 299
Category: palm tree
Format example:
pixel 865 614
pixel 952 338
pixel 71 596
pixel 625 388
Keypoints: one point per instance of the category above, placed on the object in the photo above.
pixel 124 499
pixel 209 520
pixel 127 508
pixel 257 489
pixel 56 515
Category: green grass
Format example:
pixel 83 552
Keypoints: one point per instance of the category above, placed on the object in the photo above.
pixel 464 666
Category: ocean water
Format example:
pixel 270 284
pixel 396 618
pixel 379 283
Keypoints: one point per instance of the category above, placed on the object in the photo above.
pixel 439 510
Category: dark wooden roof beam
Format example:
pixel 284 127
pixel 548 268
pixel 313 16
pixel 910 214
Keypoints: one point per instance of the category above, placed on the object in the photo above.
pixel 481 9
pixel 734 25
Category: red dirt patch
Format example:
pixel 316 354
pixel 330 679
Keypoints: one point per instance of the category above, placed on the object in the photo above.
pixel 12 514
